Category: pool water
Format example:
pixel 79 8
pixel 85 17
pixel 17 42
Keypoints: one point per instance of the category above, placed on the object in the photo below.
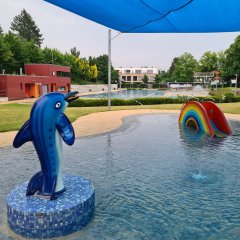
pixel 152 181
pixel 128 94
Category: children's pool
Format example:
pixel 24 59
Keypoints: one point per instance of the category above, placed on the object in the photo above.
pixel 152 181
pixel 128 94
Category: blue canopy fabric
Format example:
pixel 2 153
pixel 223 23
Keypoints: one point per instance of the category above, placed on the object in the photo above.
pixel 159 16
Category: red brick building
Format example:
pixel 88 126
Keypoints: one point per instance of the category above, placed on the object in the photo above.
pixel 39 79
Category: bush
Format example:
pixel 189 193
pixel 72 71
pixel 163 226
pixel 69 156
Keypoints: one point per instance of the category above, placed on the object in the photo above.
pixel 212 92
pixel 125 85
pixel 147 101
pixel 143 85
pixel 122 102
pixel 134 85
pixel 156 85
pixel 228 97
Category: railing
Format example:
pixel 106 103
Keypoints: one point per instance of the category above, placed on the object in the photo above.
pixel 189 100
pixel 193 99
pixel 208 99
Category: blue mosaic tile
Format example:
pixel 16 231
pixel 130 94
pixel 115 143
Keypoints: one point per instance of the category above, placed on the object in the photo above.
pixel 37 217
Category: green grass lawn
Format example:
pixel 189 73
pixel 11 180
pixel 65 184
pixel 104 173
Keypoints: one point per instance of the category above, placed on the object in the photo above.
pixel 13 115
pixel 222 91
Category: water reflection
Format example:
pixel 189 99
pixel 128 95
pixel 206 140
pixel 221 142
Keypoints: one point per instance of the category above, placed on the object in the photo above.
pixel 195 138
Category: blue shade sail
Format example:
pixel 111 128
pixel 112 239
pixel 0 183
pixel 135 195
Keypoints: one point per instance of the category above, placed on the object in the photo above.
pixel 159 16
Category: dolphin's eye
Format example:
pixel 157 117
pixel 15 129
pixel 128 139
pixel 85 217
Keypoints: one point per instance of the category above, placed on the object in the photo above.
pixel 58 105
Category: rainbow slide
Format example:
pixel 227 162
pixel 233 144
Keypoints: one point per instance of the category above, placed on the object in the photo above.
pixel 205 117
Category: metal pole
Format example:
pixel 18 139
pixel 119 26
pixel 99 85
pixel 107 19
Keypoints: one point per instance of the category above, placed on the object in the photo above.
pixel 235 85
pixel 109 69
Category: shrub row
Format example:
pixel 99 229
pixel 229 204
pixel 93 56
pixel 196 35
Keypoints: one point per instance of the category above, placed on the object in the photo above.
pixel 134 85
pixel 142 85
pixel 144 101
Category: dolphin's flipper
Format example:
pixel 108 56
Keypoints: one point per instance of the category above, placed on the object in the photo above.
pixel 24 135
pixel 65 129
pixel 35 184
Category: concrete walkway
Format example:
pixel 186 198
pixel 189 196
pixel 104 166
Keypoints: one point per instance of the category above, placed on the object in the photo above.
pixel 101 122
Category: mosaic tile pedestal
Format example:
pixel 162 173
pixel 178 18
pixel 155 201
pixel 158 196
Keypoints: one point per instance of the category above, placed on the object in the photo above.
pixel 35 217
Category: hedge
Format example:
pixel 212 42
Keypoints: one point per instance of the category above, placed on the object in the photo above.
pixel 145 101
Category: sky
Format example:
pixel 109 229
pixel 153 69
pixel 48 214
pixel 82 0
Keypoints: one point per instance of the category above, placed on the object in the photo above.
pixel 63 30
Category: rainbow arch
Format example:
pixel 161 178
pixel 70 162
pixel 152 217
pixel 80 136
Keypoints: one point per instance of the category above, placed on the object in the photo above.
pixel 205 117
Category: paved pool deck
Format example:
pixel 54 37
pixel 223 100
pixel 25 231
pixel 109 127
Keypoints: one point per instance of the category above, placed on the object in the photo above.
pixel 101 122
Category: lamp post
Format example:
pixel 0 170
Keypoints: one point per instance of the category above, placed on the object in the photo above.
pixel 236 85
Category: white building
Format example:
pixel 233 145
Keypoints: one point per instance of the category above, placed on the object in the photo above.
pixel 208 78
pixel 135 75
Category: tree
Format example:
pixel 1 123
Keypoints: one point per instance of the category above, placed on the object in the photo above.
pixel 85 73
pixel 208 62
pixel 1 30
pixel 47 55
pixel 232 60
pixel 161 77
pixel 53 56
pixel 34 54
pixel 173 66
pixel 6 56
pixel 75 52
pixel 114 75
pixel 185 67
pixel 26 28
pixel 145 79
pixel 221 58
pixel 93 72
pixel 102 66
pixel 70 60
pixel 17 47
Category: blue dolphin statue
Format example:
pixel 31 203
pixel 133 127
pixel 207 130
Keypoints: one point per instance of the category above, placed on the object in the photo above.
pixel 45 128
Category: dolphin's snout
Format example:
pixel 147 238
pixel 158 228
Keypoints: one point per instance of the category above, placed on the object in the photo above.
pixel 71 96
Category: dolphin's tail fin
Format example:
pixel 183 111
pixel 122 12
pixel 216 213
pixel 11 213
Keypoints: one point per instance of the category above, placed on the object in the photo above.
pixel 35 184
pixel 43 184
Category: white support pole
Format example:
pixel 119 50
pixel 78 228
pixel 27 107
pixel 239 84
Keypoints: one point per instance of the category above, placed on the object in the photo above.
pixel 236 85
pixel 109 69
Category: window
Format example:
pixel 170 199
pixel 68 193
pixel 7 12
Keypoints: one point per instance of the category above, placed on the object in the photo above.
pixel 124 78
pixel 138 71
pixel 129 78
pixel 63 74
pixel 61 88
pixel 128 71
pixel 150 71
pixel 134 78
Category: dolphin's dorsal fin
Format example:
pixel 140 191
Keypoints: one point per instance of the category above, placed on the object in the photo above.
pixel 65 129
pixel 23 135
